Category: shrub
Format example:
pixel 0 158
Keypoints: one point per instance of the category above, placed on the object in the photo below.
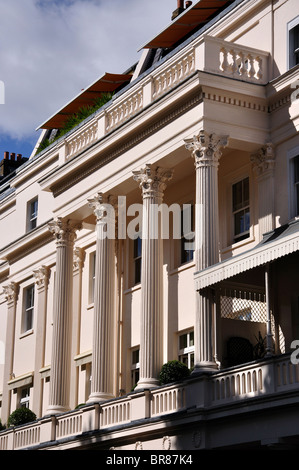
pixel 21 416
pixel 173 371
pixel 2 427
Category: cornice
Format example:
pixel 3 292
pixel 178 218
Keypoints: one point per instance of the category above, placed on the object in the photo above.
pixel 105 157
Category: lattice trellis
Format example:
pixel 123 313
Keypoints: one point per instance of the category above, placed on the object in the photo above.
pixel 243 305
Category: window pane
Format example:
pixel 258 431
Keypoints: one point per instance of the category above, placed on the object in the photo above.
pixel 191 341
pixel 137 247
pixel 183 341
pixel 30 297
pixel 296 169
pixel 137 270
pixel 237 196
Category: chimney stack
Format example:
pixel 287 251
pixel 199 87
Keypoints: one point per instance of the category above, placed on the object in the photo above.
pixel 6 155
pixel 179 10
pixel 12 156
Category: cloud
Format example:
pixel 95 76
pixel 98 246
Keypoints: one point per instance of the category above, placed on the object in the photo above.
pixel 50 50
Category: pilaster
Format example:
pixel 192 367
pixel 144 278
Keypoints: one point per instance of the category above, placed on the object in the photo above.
pixel 152 183
pixel 11 292
pixel 41 281
pixel 78 262
pixel 263 163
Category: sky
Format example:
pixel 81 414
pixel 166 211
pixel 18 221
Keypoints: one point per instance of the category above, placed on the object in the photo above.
pixel 51 49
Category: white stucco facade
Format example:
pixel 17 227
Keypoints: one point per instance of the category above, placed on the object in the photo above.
pixel 213 125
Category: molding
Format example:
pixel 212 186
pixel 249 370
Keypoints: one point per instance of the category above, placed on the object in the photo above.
pixel 79 174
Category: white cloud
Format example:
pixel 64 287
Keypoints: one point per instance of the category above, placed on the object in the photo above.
pixel 50 50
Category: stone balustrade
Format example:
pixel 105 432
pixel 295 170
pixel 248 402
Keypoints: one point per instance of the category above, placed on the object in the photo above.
pixel 269 377
pixel 209 54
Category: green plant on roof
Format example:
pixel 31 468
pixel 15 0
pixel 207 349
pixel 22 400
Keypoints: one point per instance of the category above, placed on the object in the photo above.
pixel 75 119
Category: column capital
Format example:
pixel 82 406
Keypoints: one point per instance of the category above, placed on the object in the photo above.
pixel 64 231
pixel 11 292
pixel 264 159
pixel 205 148
pixel 100 203
pixel 42 277
pixel 79 254
pixel 152 181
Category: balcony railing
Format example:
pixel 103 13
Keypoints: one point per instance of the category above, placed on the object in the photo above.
pixel 209 54
pixel 275 375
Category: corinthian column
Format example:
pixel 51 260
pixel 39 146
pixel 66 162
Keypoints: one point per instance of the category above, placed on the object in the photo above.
pixel 205 150
pixel 65 235
pixel 152 183
pixel 103 340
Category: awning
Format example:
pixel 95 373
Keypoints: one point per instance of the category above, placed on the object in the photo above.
pixel 109 82
pixel 276 244
pixel 197 15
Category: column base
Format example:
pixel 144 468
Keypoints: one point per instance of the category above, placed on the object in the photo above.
pixel 99 396
pixel 204 367
pixel 57 409
pixel 147 383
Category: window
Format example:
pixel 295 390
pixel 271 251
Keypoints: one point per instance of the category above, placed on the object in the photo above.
pixel 137 259
pixel 28 308
pixel 32 214
pixel 240 208
pixel 92 275
pixel 296 185
pixel 135 367
pixel 24 397
pixel 293 42
pixel 187 233
pixel 186 349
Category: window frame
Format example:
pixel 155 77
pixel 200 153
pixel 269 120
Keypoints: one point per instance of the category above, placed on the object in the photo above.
pixel 137 258
pixel 28 309
pixel 241 236
pixel 188 351
pixel 293 25
pixel 187 256
pixel 293 195
pixel 32 214
pixel 135 367
pixel 24 401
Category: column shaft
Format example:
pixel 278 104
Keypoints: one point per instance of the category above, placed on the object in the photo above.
pixel 153 185
pixel 206 152
pixel 62 317
pixel 103 340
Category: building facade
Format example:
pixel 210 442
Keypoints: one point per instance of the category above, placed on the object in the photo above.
pixel 162 227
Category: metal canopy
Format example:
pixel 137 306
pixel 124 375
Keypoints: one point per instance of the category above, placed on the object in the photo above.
pixel 107 83
pixel 196 15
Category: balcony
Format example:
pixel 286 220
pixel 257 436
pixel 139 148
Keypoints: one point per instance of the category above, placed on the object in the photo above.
pixel 265 383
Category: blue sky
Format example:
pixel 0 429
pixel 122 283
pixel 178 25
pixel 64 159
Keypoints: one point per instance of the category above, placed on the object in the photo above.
pixel 50 50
